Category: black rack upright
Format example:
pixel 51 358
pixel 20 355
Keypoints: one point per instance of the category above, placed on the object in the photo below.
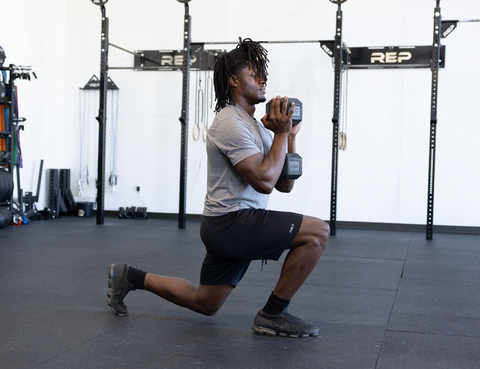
pixel 437 31
pixel 184 119
pixel 102 119
pixel 337 93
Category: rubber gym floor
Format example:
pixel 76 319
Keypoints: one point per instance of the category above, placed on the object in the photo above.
pixel 382 299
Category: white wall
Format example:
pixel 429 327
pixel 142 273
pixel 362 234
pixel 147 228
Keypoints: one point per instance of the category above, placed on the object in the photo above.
pixel 33 33
pixel 383 174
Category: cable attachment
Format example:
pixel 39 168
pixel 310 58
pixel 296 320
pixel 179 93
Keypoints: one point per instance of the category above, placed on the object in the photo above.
pixel 112 181
pixel 343 141
pixel 343 126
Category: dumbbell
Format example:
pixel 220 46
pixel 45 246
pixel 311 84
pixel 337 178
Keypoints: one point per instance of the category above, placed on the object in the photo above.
pixel 297 112
pixel 292 167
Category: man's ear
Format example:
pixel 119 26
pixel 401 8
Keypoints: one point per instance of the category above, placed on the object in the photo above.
pixel 233 81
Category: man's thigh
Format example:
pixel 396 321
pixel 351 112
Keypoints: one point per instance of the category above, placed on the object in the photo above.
pixel 310 229
pixel 253 234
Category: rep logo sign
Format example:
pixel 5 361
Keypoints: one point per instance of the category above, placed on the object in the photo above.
pixel 175 60
pixel 390 57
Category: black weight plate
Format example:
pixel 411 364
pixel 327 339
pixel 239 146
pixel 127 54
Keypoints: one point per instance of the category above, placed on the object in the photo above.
pixel 3 91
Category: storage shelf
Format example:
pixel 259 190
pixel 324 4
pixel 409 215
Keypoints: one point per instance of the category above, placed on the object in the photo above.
pixel 7 135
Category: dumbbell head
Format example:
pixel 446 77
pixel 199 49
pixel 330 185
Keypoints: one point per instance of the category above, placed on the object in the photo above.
pixel 298 109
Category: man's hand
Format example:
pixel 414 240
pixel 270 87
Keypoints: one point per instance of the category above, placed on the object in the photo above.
pixel 261 172
pixel 279 121
pixel 294 130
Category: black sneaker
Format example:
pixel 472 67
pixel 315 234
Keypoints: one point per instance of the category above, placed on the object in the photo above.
pixel 283 324
pixel 118 282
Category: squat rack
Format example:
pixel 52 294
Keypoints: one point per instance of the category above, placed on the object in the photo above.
pixel 192 56
pixel 150 62
pixel 432 57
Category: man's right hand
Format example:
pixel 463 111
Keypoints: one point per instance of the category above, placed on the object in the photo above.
pixel 277 120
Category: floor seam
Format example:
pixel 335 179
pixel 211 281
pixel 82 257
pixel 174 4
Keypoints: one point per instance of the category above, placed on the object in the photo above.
pixel 433 334
pixel 393 304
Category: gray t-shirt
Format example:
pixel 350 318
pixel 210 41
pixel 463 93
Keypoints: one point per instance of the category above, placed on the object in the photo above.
pixel 233 136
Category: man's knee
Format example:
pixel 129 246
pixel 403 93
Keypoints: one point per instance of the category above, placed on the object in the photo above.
pixel 209 299
pixel 322 232
pixel 207 311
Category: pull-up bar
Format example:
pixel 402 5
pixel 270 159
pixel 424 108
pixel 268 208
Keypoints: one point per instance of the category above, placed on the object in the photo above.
pixel 266 42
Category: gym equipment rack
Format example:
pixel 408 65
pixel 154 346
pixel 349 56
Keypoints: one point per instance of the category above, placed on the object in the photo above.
pixel 13 126
pixel 432 57
pixel 152 61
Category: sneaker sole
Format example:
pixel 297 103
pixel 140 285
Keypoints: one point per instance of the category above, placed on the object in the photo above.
pixel 114 311
pixel 272 332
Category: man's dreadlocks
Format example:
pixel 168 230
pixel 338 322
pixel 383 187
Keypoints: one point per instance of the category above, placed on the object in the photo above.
pixel 247 53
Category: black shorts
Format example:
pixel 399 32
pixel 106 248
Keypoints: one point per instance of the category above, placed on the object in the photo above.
pixel 235 239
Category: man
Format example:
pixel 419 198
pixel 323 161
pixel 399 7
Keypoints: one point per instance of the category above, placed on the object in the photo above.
pixel 244 166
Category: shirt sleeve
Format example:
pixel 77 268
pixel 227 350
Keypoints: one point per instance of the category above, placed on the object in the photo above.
pixel 234 137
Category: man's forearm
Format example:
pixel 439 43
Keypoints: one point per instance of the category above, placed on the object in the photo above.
pixel 273 162
pixel 292 147
pixel 286 185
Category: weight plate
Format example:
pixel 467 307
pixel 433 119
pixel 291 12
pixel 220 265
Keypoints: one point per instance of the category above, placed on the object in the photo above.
pixel 338 1
pixel 3 91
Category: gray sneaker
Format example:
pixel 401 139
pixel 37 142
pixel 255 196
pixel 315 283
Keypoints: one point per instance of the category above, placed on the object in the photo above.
pixel 283 324
pixel 118 282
